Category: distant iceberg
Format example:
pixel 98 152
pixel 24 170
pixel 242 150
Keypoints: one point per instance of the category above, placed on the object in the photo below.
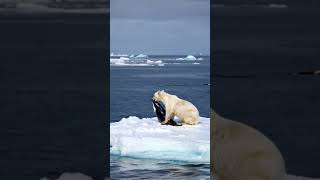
pixel 154 62
pixel 128 64
pixel 141 56
pixel 188 58
pixel 113 55
pixel 117 61
pixel 147 138
pixel 124 58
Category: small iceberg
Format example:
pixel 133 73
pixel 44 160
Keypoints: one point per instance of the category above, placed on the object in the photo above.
pixel 113 55
pixel 124 58
pixel 147 138
pixel 188 58
pixel 159 62
pixel 141 56
pixel 117 61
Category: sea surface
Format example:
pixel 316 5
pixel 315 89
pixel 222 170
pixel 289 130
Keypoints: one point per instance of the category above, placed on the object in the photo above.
pixel 53 95
pixel 257 58
pixel 131 91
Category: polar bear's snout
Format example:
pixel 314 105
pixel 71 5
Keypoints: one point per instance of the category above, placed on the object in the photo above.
pixel 175 106
pixel 157 96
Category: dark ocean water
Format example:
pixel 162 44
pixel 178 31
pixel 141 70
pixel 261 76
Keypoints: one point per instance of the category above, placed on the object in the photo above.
pixel 131 91
pixel 258 53
pixel 53 95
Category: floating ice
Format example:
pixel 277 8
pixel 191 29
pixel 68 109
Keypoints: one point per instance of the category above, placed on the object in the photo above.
pixel 141 56
pixel 117 61
pixel 124 58
pixel 130 64
pixel 124 61
pixel 147 138
pixel 113 55
pixel 154 62
pixel 188 58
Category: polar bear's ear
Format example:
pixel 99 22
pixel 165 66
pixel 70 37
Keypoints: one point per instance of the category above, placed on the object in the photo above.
pixel 162 90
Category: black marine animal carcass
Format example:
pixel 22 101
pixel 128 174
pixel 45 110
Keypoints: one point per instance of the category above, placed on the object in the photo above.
pixel 160 111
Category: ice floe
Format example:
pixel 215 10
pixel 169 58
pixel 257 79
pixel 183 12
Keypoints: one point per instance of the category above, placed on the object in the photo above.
pixel 188 58
pixel 141 56
pixel 147 138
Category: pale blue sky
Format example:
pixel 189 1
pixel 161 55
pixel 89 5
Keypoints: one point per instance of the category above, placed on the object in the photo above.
pixel 160 26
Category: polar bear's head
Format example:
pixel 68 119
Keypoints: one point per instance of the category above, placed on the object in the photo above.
pixel 158 96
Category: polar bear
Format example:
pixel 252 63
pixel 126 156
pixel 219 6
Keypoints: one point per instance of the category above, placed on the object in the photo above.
pixel 240 152
pixel 175 106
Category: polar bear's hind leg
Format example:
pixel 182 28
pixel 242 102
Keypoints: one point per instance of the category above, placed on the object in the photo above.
pixel 190 121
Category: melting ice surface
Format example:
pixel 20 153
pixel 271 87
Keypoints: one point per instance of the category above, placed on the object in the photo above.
pixel 147 138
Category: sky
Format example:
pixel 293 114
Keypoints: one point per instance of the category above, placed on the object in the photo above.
pixel 160 27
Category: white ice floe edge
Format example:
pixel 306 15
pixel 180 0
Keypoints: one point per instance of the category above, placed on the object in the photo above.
pixel 146 138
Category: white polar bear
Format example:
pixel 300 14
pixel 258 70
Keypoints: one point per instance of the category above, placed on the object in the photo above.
pixel 240 152
pixel 175 106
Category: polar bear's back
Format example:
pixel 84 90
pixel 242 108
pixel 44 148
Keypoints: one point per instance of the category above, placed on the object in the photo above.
pixel 243 153
pixel 185 107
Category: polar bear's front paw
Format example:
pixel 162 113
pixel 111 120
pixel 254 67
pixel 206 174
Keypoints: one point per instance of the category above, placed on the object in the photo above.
pixel 163 123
